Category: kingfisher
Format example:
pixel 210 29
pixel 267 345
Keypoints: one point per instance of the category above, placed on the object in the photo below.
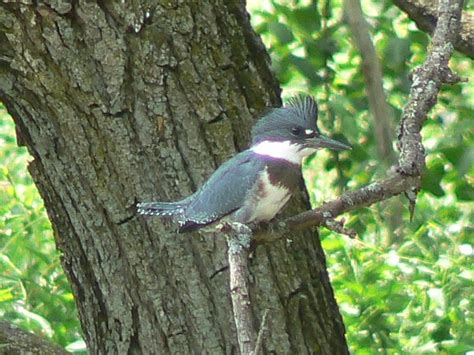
pixel 255 184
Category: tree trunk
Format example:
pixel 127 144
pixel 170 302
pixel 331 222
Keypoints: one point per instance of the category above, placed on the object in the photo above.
pixel 126 101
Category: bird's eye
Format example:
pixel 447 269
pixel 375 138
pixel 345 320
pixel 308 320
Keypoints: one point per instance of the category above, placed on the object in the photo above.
pixel 296 131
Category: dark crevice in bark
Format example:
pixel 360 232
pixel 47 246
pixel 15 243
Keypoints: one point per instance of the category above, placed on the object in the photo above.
pixel 106 114
pixel 218 271
pixel 183 159
pixel 134 346
pixel 218 321
pixel 283 298
pixel 257 51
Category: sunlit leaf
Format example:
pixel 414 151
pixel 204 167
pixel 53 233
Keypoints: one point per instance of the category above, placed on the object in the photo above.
pixel 281 31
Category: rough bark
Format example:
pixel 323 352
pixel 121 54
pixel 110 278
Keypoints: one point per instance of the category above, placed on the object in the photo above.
pixel 424 13
pixel 405 176
pixel 238 255
pixel 126 101
pixel 17 341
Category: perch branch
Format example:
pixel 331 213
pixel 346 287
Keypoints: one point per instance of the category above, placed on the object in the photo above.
pixel 363 197
pixel 427 81
pixel 238 241
pixel 405 178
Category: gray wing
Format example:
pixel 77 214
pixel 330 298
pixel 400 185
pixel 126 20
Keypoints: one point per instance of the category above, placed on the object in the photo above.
pixel 224 192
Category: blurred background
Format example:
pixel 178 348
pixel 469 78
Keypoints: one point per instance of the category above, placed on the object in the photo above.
pixel 402 286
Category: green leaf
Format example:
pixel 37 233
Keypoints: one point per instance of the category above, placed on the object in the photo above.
pixel 464 191
pixel 432 177
pixel 306 18
pixel 6 294
pixel 442 330
pixel 398 302
pixel 305 67
pixel 397 52
pixel 281 32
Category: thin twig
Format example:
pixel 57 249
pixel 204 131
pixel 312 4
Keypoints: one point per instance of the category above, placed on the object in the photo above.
pixel 405 178
pixel 363 197
pixel 338 227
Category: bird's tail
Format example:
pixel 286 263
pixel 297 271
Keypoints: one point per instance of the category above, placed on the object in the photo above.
pixel 160 208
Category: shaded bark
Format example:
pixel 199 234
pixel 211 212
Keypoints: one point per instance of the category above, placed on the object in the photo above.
pixel 17 341
pixel 238 255
pixel 424 13
pixel 126 101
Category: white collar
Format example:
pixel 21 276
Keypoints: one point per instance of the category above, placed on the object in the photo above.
pixel 284 150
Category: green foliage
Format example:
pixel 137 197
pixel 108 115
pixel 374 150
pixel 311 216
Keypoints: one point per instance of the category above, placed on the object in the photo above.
pixel 402 287
pixel 401 290
pixel 34 292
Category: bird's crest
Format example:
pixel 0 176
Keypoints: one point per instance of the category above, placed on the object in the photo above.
pixel 300 110
pixel 305 106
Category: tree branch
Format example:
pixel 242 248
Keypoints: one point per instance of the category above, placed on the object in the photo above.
pixel 380 110
pixel 14 340
pixel 238 241
pixel 405 178
pixel 363 197
pixel 423 12
pixel 261 334
pixel 427 81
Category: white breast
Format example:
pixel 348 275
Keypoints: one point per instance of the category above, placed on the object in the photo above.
pixel 268 199
pixel 284 150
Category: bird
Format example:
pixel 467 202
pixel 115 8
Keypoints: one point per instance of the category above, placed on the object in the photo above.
pixel 255 184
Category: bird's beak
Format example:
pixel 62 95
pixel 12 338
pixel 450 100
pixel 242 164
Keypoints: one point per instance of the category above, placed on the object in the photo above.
pixel 326 142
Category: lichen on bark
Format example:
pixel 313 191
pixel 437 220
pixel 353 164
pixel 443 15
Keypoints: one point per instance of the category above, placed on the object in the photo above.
pixel 126 101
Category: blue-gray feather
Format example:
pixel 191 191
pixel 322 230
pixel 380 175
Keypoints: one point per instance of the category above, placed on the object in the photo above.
pixel 305 108
pixel 219 196
pixel 160 208
pixel 232 184
pixel 299 111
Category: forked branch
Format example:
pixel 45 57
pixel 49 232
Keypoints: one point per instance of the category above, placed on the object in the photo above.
pixel 405 177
